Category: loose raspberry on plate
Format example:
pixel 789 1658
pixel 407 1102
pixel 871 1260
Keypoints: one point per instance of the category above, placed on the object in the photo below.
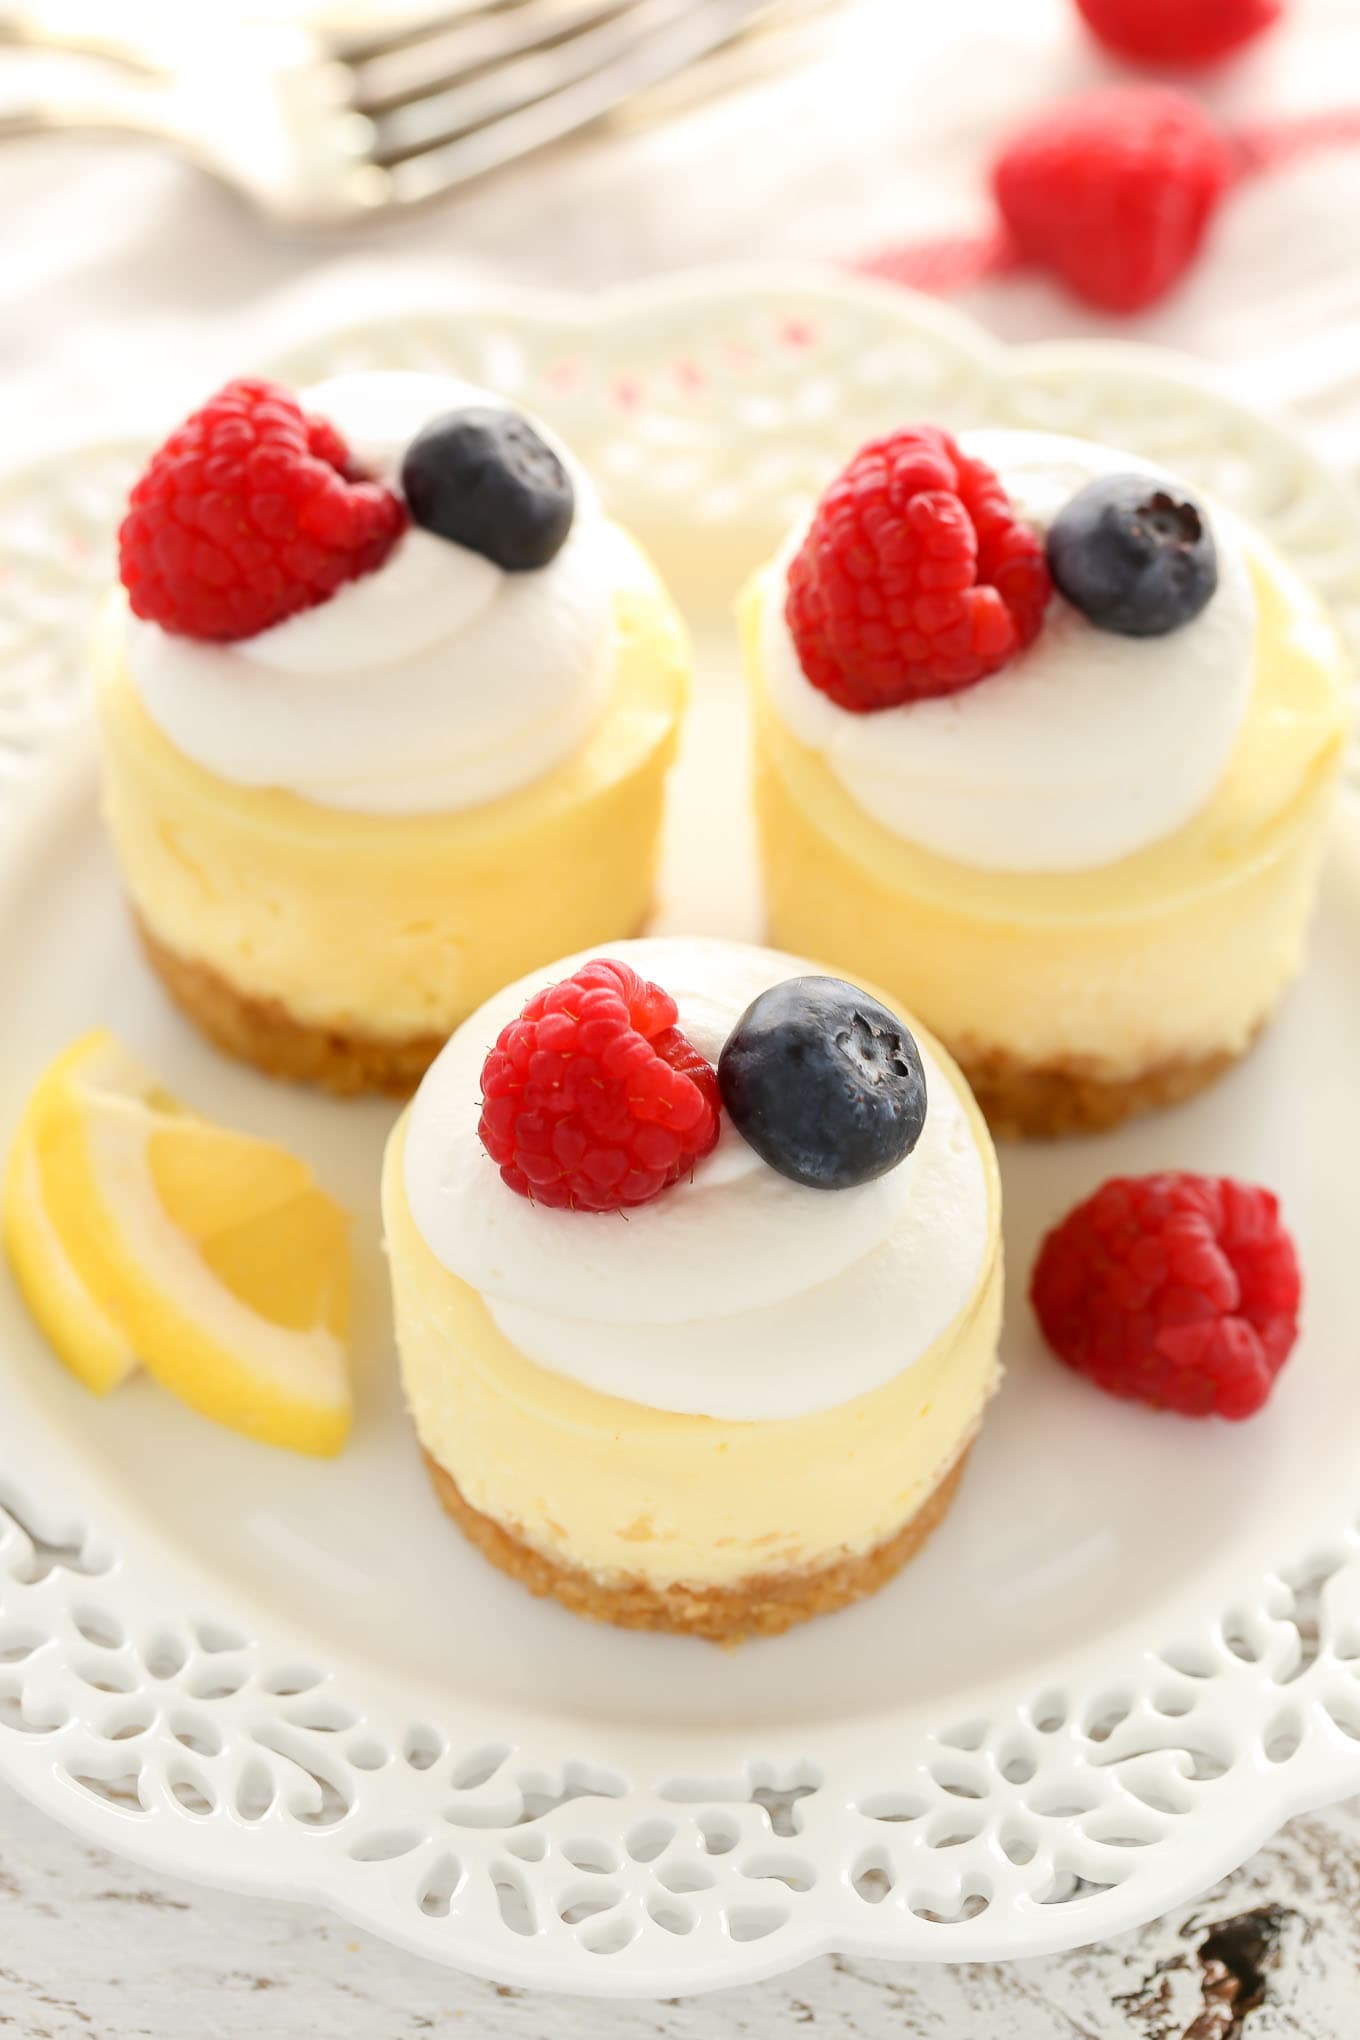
pixel 1175 1290
pixel 1177 31
pixel 250 512
pixel 915 578
pixel 593 1099
pixel 1114 192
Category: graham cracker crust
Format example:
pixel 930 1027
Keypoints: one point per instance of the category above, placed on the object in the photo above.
pixel 264 1033
pixel 764 1604
pixel 1029 1101
pixel 347 1062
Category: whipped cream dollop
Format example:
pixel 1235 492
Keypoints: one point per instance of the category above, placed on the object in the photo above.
pixel 1085 748
pixel 737 1294
pixel 435 683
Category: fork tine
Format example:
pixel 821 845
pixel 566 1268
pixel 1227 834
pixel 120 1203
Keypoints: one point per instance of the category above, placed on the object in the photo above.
pixel 344 48
pixel 483 45
pixel 765 48
pixel 543 115
pixel 450 113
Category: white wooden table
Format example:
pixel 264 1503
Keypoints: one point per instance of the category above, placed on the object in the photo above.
pixel 116 268
pixel 92 1948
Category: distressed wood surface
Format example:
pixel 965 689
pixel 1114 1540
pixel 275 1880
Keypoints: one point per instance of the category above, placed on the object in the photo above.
pixel 92 1948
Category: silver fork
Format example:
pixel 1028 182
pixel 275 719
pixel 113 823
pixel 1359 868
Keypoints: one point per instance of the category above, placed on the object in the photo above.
pixel 323 128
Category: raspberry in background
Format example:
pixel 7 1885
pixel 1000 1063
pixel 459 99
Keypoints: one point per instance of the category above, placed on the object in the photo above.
pixel 1188 32
pixel 1175 1290
pixel 916 578
pixel 1114 192
pixel 250 512
pixel 593 1099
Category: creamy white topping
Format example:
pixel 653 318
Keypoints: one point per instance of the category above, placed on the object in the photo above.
pixel 1085 748
pixel 736 1294
pixel 436 683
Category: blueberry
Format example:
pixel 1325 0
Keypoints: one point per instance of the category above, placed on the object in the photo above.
pixel 1134 554
pixel 824 1083
pixel 485 479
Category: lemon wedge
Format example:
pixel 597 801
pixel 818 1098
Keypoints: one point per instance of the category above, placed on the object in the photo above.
pixel 94 1347
pixel 139 1232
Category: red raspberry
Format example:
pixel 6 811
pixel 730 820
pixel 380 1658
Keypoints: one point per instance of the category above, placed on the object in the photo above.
pixel 1176 1290
pixel 1114 192
pixel 593 1099
pixel 250 512
pixel 1177 31
pixel 915 578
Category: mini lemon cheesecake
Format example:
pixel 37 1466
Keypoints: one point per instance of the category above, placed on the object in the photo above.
pixel 1088 864
pixel 752 1402
pixel 341 830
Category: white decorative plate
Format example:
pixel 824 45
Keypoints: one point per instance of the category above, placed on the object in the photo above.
pixel 1133 1649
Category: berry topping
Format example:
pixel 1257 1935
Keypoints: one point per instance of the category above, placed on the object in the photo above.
pixel 1114 192
pixel 250 512
pixel 915 577
pixel 1134 555
pixel 824 1083
pixel 1177 31
pixel 593 1099
pixel 1178 1291
pixel 485 479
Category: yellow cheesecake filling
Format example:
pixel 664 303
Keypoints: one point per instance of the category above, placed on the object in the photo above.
pixel 630 1492
pixel 397 925
pixel 1179 950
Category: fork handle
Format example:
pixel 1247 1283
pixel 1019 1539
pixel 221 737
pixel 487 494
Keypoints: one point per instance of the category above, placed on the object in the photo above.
pixel 75 26
pixel 110 110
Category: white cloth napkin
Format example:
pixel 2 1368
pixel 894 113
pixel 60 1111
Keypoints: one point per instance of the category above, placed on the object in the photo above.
pixel 124 274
